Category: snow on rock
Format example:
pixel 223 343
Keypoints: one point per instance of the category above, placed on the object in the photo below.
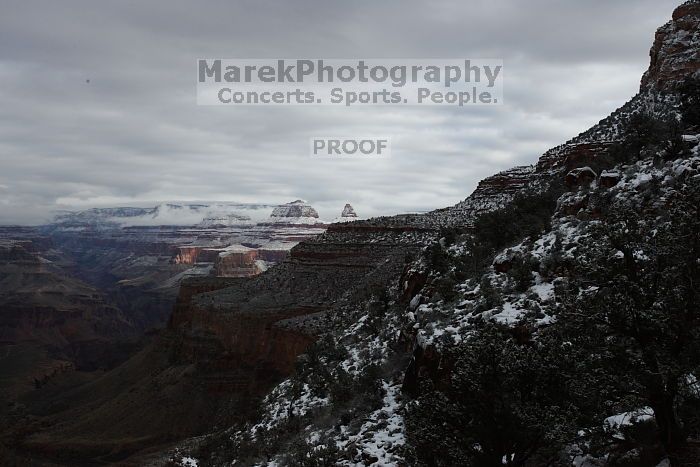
pixel 298 208
pixel 189 462
pixel 674 54
pixel 544 290
pixel 580 176
pixel 509 315
pixel 348 211
pixel 433 322
pixel 279 407
pixel 609 178
pixel 232 249
pixel 615 422
pixel 348 215
pixel 380 438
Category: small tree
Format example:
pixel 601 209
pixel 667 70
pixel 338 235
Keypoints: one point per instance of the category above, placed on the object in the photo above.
pixel 641 319
pixel 690 101
pixel 491 297
pixel 521 272
pixel 438 258
pixel 504 404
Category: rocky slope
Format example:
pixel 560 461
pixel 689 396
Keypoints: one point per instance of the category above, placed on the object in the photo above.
pixel 52 319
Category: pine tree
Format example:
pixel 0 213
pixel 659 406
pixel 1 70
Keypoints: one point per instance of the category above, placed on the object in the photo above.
pixel 639 312
pixel 504 404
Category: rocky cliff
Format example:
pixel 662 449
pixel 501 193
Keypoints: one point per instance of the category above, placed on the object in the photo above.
pixel 319 275
pixel 675 54
pixel 297 212
pixel 238 261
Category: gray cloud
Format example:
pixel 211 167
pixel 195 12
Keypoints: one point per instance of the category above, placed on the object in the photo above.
pixel 134 135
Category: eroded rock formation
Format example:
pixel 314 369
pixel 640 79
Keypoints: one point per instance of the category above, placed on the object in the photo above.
pixel 675 54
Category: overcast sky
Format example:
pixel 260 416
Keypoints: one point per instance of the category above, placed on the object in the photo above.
pixel 134 135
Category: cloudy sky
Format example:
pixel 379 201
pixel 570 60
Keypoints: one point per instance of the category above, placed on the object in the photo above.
pixel 134 135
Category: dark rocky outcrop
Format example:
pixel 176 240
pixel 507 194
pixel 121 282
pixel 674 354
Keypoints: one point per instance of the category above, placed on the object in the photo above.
pixel 580 176
pixel 675 54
